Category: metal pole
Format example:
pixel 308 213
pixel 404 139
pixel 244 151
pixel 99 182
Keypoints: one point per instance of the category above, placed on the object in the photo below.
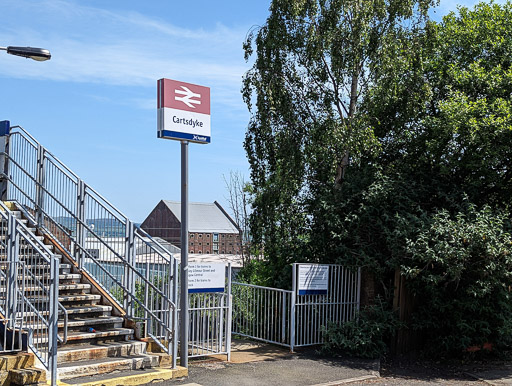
pixel 292 308
pixel 53 318
pixel 4 158
pixel 184 317
pixel 230 315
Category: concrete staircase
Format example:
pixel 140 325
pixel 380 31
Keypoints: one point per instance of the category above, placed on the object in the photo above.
pixel 98 341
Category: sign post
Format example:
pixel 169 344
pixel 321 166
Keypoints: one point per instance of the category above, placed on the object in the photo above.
pixel 183 115
pixel 184 319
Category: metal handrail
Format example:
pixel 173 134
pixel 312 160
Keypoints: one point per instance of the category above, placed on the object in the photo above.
pixel 43 252
pixel 22 310
pixel 47 152
pixel 262 287
pixel 72 190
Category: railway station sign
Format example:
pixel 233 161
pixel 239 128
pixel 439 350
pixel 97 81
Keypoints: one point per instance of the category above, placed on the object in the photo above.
pixel 206 277
pixel 313 279
pixel 183 111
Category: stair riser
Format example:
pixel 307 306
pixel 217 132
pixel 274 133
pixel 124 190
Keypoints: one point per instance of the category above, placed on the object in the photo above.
pixel 64 269
pixel 133 348
pixel 85 329
pixel 84 303
pixel 73 341
pixel 105 368
pixel 65 289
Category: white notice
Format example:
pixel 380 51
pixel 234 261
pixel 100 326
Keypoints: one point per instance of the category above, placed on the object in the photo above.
pixel 206 277
pixel 313 279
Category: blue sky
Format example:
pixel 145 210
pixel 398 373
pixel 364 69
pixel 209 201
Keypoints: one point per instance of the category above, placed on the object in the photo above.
pixel 94 103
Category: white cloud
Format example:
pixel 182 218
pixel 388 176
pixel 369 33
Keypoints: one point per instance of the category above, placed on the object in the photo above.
pixel 95 45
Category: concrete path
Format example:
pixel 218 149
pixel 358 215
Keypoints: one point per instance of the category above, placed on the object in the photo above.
pixel 262 364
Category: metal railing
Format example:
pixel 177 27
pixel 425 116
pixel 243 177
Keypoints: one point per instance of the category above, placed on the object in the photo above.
pixel 209 324
pixel 262 313
pixel 339 304
pixel 291 319
pixel 98 236
pixel 29 288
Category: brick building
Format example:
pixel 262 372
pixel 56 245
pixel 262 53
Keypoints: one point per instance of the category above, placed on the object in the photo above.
pixel 211 229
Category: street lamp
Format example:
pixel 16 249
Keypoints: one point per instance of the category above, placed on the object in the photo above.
pixel 39 54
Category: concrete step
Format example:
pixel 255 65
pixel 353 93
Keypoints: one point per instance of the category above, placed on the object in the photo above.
pixel 95 310
pixel 82 298
pixel 105 365
pixel 65 278
pixel 3 236
pixel 131 377
pixel 88 337
pixel 77 287
pixel 26 253
pixel 82 322
pixel 71 353
pixel 87 299
pixel 4 228
pixel 63 268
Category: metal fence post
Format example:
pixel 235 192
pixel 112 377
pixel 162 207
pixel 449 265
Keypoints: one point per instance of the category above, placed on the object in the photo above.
pixel 12 280
pixel 146 297
pixel 175 312
pixel 54 316
pixel 229 315
pixel 40 182
pixel 80 228
pixel 130 260
pixel 283 317
pixel 292 307
pixel 5 127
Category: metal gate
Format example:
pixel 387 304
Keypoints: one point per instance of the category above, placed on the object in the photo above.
pixel 293 319
pixel 209 330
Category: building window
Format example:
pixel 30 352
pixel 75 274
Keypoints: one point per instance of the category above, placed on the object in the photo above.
pixel 207 251
pixel 192 243
pixel 199 252
pixel 207 243
pixel 215 237
pixel 200 236
pixel 199 243
pixel 208 236
pixel 192 251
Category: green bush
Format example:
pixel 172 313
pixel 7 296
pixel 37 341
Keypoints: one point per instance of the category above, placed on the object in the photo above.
pixel 366 336
pixel 460 269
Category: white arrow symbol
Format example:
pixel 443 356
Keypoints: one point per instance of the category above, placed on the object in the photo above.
pixel 187 99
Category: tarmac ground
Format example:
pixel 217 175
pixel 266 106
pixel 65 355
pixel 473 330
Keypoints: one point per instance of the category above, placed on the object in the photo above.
pixel 255 363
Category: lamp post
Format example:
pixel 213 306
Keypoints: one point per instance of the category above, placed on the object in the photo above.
pixel 39 54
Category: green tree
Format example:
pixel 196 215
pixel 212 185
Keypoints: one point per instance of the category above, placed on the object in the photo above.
pixel 428 133
pixel 441 180
pixel 315 60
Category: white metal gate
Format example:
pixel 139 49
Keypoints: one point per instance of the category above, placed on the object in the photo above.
pixel 209 330
pixel 293 319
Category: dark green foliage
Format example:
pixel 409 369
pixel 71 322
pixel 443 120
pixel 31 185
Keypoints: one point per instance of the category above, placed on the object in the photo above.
pixel 367 336
pixel 460 268
pixel 429 136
